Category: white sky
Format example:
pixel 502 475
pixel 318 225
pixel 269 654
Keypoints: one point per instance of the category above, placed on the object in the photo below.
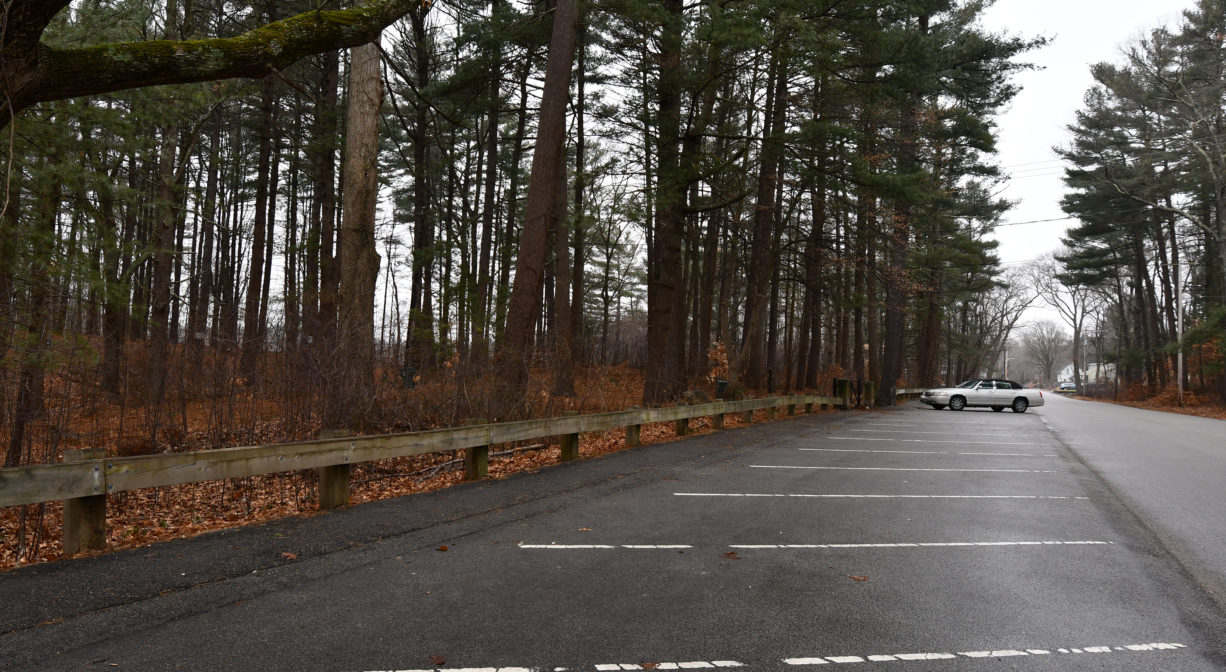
pixel 1082 32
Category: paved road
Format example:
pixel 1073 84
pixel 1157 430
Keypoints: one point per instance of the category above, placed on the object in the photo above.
pixel 920 539
pixel 1170 471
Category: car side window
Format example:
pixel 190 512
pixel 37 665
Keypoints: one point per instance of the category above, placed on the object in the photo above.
pixel 1002 385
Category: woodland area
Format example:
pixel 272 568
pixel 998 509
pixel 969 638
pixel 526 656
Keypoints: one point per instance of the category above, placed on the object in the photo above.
pixel 1145 268
pixel 228 223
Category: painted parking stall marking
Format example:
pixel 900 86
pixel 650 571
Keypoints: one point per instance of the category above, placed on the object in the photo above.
pixel 913 545
pixel 924 452
pixel 760 547
pixel 999 471
pixel 692 665
pixel 885 496
pixel 589 547
pixel 952 433
pixel 961 443
pixel 985 654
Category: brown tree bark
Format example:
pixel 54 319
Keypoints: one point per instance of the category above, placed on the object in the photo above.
pixel 761 265
pixel 32 72
pixel 547 160
pixel 665 282
pixel 419 350
pixel 253 327
pixel 479 350
pixel 353 396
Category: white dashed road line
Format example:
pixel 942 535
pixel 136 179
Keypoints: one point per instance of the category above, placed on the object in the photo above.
pixel 999 471
pixel 755 494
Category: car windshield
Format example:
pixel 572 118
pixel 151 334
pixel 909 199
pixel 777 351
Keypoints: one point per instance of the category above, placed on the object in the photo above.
pixel 968 384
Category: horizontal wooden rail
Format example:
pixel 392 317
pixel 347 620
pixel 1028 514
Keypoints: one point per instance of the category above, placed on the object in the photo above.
pixel 90 477
pixel 85 477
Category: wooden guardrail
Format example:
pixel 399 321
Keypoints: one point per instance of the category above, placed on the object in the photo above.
pixel 86 477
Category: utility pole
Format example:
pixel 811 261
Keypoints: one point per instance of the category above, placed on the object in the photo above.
pixel 1179 330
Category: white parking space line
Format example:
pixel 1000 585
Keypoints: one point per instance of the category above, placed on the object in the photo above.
pixel 993 654
pixel 998 471
pixel 926 544
pixel 1154 647
pixel 589 547
pixel 692 665
pixel 922 452
pixel 767 547
pixel 752 494
pixel 955 433
pixel 961 443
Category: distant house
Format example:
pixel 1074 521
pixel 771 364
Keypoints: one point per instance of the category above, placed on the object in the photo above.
pixel 1092 373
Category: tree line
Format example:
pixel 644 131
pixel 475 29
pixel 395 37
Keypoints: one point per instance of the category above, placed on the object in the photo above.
pixel 1147 183
pixel 220 196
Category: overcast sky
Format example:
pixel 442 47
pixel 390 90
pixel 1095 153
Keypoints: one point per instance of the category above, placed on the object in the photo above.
pixel 1082 32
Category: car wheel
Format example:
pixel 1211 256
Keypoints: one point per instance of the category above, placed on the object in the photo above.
pixel 957 404
pixel 1020 405
pixel 998 409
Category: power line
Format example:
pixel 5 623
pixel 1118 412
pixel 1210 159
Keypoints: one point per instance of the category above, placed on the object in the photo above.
pixel 1033 221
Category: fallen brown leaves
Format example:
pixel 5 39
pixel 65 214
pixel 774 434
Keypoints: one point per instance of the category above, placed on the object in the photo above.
pixel 143 517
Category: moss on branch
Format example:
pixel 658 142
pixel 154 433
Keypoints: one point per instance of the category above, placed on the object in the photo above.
pixel 65 73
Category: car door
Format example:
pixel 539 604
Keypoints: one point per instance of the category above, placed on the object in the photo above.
pixel 982 395
pixel 1004 393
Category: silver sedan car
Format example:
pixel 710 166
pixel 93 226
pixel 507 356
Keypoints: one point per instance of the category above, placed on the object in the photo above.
pixel 995 393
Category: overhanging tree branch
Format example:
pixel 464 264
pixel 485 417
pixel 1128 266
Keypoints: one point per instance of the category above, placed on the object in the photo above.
pixel 33 72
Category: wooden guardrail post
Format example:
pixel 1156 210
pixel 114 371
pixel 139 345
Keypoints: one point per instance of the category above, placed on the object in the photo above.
pixel 334 479
pixel 634 435
pixel 717 421
pixel 681 426
pixel 791 409
pixel 85 517
pixel 747 417
pixel 334 486
pixel 570 447
pixel 476 463
pixel 843 392
pixel 808 407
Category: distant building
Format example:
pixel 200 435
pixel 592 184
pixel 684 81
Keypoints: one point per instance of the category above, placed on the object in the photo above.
pixel 1093 373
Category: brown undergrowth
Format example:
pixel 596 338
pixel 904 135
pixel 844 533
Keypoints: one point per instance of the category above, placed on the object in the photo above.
pixel 31 534
pixel 1167 400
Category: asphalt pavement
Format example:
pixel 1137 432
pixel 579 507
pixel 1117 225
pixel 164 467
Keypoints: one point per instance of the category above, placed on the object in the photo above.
pixel 907 538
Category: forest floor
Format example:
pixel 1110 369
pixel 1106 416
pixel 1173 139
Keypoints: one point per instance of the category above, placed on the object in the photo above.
pixel 1167 400
pixel 32 534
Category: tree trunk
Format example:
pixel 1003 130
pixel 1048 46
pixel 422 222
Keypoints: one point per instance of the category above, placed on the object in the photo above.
pixel 419 351
pixel 761 265
pixel 319 290
pixel 547 161
pixel 354 397
pixel 666 289
pixel 253 330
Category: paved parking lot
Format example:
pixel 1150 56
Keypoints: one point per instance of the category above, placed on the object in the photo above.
pixel 914 538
